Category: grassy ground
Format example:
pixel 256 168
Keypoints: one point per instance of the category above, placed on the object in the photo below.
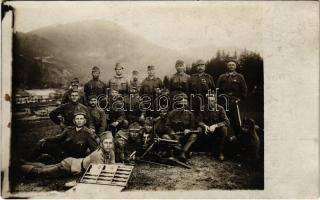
pixel 206 173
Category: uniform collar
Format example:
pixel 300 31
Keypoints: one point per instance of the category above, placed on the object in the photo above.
pixel 78 129
pixel 232 73
pixel 151 78
pixel 118 76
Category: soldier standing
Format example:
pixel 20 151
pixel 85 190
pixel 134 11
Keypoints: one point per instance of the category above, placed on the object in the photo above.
pixel 150 87
pixel 135 82
pixel 97 115
pixel 119 82
pixel 234 86
pixel 199 85
pixel 63 114
pixel 95 86
pixel 180 80
pixel 74 141
pixel 213 120
pixel 74 86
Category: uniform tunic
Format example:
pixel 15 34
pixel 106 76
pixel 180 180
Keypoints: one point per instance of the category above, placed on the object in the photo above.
pixel 74 143
pixel 179 120
pixel 67 112
pixel 212 116
pixel 179 83
pixel 149 85
pixel 232 84
pixel 120 84
pixel 94 87
pixel 201 83
pixel 98 119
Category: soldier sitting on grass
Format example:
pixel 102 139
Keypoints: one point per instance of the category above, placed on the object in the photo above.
pixel 75 141
pixel 74 166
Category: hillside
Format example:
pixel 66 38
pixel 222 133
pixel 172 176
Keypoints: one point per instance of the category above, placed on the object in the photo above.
pixel 102 43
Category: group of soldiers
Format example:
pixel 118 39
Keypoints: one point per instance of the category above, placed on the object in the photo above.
pixel 131 109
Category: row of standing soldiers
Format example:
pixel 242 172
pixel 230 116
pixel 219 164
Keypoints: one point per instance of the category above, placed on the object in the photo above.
pixel 117 106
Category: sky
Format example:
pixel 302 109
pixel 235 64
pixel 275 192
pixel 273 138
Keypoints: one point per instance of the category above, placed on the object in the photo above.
pixel 175 25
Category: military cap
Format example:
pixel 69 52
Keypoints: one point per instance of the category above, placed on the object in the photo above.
pixel 93 96
pixel 179 63
pixel 135 72
pixel 199 62
pixel 106 135
pixel 76 113
pixel 118 65
pixel 233 60
pixel 75 81
pixel 95 68
pixel 151 67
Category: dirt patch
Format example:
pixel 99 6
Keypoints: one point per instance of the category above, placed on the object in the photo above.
pixel 206 173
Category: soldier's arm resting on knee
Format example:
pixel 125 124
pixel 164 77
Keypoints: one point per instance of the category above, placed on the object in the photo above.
pixel 54 115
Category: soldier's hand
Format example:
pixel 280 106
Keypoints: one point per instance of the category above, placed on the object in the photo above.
pixel 93 130
pixel 206 129
pixel 212 128
pixel 186 131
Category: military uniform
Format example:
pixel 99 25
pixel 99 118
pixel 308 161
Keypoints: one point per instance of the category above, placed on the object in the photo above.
pixel 133 111
pixel 211 116
pixel 135 83
pixel 127 141
pixel 98 119
pixel 95 87
pixel 232 84
pixel 200 83
pixel 149 86
pixel 66 97
pixel 179 83
pixel 120 84
pixel 70 143
pixel 67 112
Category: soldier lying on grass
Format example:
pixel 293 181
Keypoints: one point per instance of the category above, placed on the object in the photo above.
pixel 74 166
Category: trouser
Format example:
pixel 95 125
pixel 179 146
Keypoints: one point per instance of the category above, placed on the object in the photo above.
pixel 36 169
pixel 234 117
pixel 220 134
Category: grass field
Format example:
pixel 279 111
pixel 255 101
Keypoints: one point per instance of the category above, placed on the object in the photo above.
pixel 206 173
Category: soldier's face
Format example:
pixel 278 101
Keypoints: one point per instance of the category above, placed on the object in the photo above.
pixel 211 100
pixel 151 72
pixel 79 120
pixel 74 96
pixel 107 144
pixel 93 102
pixel 114 93
pixel 180 68
pixel 201 68
pixel 119 71
pixel 231 66
pixel 95 74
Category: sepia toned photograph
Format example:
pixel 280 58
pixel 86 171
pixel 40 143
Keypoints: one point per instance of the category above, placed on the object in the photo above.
pixel 132 97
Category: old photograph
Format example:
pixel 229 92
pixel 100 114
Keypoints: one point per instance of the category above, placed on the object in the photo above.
pixel 126 97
